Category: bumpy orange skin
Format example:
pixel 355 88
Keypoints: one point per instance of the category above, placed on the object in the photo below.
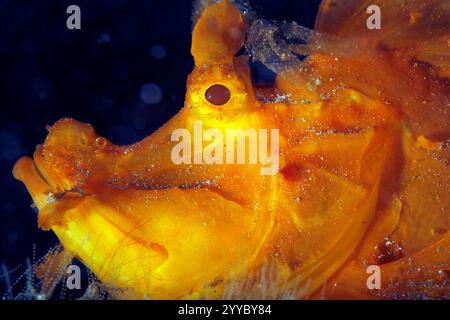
pixel 364 164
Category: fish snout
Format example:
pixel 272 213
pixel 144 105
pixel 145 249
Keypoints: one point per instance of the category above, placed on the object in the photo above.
pixel 61 166
pixel 65 158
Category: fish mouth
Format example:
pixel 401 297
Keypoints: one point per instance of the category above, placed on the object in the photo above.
pixel 26 171
pixel 44 184
pixel 50 199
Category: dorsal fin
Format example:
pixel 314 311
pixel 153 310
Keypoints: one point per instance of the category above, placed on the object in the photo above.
pixel 419 28
pixel 414 45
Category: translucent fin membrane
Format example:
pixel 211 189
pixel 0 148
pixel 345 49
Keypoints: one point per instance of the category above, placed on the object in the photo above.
pixel 279 45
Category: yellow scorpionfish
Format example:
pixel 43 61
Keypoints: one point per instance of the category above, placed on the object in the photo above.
pixel 360 182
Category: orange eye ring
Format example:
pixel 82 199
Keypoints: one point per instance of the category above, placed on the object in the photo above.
pixel 218 94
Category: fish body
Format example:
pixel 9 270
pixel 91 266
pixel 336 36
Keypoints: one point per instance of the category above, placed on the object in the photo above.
pixel 362 174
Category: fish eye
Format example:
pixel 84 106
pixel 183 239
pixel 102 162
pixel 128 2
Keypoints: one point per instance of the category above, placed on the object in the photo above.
pixel 217 94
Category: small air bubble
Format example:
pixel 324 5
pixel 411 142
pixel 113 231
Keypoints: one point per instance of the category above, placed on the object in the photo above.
pixel 100 142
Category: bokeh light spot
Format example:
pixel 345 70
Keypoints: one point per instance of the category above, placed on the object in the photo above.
pixel 158 52
pixel 104 38
pixel 151 93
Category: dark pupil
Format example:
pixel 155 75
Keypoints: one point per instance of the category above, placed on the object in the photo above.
pixel 217 94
